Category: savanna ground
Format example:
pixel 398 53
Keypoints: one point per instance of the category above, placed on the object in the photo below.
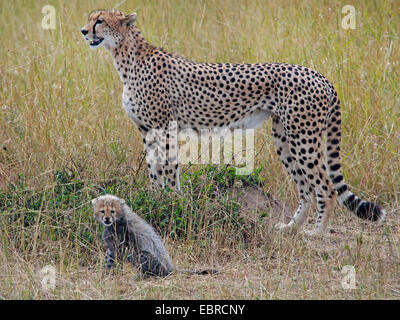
pixel 64 139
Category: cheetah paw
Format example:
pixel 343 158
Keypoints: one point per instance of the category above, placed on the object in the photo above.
pixel 283 228
pixel 312 234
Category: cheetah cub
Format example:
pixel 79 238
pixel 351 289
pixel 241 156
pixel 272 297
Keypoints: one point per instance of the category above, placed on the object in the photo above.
pixel 127 235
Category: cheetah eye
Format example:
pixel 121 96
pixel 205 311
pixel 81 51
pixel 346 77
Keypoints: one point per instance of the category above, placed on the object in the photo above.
pixel 112 211
pixel 102 211
pixel 99 21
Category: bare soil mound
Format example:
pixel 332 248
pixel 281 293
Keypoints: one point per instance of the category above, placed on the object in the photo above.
pixel 256 204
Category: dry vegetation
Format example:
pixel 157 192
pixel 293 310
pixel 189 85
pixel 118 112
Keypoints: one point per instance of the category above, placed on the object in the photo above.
pixel 64 138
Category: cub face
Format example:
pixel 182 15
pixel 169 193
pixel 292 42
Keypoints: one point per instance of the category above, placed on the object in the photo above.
pixel 108 209
pixel 106 28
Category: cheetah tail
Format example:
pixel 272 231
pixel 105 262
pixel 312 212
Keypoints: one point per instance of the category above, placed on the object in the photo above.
pixel 199 272
pixel 363 209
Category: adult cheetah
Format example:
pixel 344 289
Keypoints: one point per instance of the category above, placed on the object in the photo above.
pixel 161 88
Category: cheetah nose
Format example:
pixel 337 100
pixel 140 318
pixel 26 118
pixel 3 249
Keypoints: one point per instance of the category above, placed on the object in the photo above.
pixel 107 221
pixel 84 32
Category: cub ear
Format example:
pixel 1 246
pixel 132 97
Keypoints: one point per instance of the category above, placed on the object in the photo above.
pixel 94 202
pixel 122 202
pixel 129 20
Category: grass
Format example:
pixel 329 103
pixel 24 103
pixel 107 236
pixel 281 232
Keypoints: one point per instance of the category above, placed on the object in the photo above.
pixel 64 139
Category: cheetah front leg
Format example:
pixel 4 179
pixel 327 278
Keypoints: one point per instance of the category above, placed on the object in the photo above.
pixel 154 167
pixel 162 172
pixel 171 173
pixel 171 166
pixel 152 141
pixel 161 149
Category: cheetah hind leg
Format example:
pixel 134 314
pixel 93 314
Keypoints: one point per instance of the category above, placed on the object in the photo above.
pixel 325 195
pixel 288 160
pixel 149 266
pixel 325 209
pixel 297 221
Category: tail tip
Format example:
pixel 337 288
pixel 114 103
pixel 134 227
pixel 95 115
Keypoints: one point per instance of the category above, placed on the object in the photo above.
pixel 382 215
pixel 371 211
pixel 208 271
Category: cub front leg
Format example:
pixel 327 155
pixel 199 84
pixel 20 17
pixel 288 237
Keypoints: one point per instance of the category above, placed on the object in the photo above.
pixel 110 260
pixel 109 240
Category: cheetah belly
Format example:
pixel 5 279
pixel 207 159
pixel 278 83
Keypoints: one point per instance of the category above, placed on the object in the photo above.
pixel 130 107
pixel 253 121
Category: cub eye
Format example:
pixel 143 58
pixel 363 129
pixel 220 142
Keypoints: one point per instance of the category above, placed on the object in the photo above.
pixel 99 21
pixel 102 211
pixel 112 211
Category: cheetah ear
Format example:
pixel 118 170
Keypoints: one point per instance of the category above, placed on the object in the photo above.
pixel 122 202
pixel 94 202
pixel 129 20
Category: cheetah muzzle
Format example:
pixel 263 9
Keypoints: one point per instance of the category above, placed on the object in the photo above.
pixel 96 42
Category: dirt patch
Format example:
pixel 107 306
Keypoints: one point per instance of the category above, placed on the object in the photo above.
pixel 257 204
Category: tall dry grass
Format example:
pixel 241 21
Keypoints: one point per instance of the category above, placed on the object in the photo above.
pixel 64 138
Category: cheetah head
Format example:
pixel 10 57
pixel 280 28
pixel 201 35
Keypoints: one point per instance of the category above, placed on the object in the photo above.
pixel 106 28
pixel 108 210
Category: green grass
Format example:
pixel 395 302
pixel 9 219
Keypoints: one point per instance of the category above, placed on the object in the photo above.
pixel 64 139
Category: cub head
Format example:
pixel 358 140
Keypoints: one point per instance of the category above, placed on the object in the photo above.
pixel 108 209
pixel 107 28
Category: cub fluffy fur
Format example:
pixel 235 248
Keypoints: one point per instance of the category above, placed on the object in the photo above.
pixel 128 235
